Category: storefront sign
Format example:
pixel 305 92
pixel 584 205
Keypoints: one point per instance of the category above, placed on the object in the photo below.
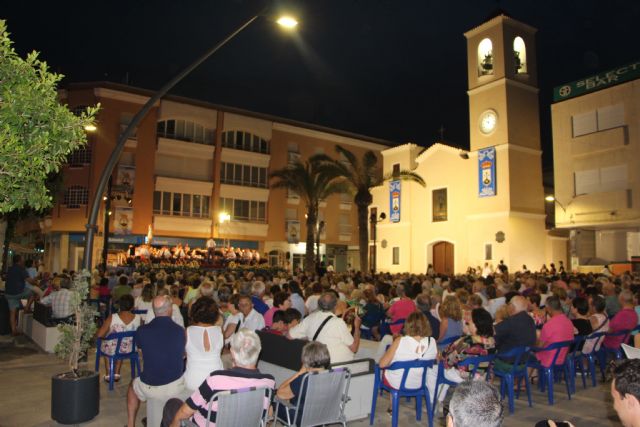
pixel 394 201
pixel 487 172
pixel 597 82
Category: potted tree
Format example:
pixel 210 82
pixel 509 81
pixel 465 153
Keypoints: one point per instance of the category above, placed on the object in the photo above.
pixel 75 394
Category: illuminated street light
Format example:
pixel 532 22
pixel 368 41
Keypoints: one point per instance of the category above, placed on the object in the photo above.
pixel 287 22
pixel 90 128
pixel 135 122
pixel 224 217
pixel 550 198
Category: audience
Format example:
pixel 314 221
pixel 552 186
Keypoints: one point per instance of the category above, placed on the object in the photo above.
pixel 557 329
pixel 245 349
pixel 625 390
pixel 122 321
pixel 162 343
pixel 517 330
pixel 475 404
pixel 60 300
pixel 625 319
pixel 204 342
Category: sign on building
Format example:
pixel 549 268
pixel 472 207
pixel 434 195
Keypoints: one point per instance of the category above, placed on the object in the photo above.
pixel 597 82
pixel 394 201
pixel 487 172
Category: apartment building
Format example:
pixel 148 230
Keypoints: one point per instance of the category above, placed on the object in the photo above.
pixel 187 162
pixel 596 144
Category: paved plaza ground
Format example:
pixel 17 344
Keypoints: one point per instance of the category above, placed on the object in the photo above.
pixel 25 384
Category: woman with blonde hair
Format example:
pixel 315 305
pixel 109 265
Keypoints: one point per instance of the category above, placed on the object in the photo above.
pixel 450 318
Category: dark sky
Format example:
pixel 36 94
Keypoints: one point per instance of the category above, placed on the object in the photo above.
pixel 392 69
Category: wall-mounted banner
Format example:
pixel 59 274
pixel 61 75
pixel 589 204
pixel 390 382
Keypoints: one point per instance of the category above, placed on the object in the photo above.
pixel 394 201
pixel 487 172
pixel 126 176
pixel 123 222
pixel 293 231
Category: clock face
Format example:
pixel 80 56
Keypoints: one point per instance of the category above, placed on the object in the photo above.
pixel 488 121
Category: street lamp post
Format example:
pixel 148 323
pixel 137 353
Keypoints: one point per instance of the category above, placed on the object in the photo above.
pixel 375 220
pixel 124 136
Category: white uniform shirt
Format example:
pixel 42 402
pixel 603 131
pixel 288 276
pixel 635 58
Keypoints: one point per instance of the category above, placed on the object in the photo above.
pixel 335 335
pixel 176 316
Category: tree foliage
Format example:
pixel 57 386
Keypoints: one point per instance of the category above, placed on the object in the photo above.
pixel 314 180
pixel 37 133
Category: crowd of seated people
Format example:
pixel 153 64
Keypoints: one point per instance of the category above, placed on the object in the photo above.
pixel 412 313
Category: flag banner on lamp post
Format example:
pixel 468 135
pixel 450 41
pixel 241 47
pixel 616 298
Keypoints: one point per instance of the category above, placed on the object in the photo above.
pixel 394 201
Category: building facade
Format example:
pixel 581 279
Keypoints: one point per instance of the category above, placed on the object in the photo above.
pixel 187 163
pixel 596 144
pixel 484 205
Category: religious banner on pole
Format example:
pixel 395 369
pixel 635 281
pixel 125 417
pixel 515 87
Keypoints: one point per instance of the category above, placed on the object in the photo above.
pixel 123 222
pixel 394 201
pixel 487 172
pixel 293 231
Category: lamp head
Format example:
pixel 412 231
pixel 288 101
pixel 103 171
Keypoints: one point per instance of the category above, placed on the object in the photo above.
pixel 550 198
pixel 287 22
pixel 90 127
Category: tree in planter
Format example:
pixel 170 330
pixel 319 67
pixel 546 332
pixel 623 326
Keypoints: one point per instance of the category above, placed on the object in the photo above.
pixel 75 338
pixel 362 175
pixel 313 181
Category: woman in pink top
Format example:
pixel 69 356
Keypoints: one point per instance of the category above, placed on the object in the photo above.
pixel 281 301
pixel 402 308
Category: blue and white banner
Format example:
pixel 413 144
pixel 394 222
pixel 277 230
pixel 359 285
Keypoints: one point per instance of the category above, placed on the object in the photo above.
pixel 394 201
pixel 487 172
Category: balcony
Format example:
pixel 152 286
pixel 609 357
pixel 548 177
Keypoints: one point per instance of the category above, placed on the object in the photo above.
pixel 177 224
pixel 176 147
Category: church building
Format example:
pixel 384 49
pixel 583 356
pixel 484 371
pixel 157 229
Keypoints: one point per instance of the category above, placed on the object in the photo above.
pixel 478 206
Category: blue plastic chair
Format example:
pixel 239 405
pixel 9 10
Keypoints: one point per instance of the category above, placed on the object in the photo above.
pixel 578 358
pixel 419 393
pixel 473 361
pixel 139 312
pixel 133 356
pixel 518 357
pixel 617 353
pixel 444 343
pixel 547 375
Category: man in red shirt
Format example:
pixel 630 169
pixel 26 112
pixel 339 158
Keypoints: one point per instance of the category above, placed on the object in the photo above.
pixel 557 329
pixel 625 319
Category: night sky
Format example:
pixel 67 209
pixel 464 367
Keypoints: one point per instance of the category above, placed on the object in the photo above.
pixel 391 69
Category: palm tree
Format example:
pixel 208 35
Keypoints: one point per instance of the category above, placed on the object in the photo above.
pixel 362 175
pixel 314 180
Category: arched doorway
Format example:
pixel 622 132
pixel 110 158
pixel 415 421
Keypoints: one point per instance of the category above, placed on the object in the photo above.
pixel 443 258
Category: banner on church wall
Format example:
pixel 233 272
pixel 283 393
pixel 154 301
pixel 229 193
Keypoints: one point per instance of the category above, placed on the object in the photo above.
pixel 394 201
pixel 293 231
pixel 487 172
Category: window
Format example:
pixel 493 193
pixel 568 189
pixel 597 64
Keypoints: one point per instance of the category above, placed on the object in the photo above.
pixel 179 204
pixel 485 57
pixel 488 252
pixel 396 170
pixel 396 255
pixel 604 118
pixel 611 178
pixel 244 210
pixel 250 176
pixel 75 196
pixel 291 214
pixel 439 201
pixel 344 224
pixel 80 157
pixel 185 130
pixel 519 55
pixel 245 141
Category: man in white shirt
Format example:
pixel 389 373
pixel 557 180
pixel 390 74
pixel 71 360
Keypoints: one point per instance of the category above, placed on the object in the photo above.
pixel 60 301
pixel 211 248
pixel 176 316
pixel 250 318
pixel 325 327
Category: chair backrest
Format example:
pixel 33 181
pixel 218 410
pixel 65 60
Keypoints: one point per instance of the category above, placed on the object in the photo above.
pixel 595 338
pixel 406 366
pixel 241 407
pixel 475 361
pixel 445 342
pixel 624 333
pixel 325 396
pixel 119 336
pixel 139 312
pixel 557 347
pixel 518 355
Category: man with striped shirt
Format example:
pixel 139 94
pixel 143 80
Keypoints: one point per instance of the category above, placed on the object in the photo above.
pixel 245 349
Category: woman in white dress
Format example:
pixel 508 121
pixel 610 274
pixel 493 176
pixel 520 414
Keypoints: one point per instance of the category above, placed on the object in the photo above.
pixel 417 343
pixel 204 342
pixel 144 301
pixel 123 321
